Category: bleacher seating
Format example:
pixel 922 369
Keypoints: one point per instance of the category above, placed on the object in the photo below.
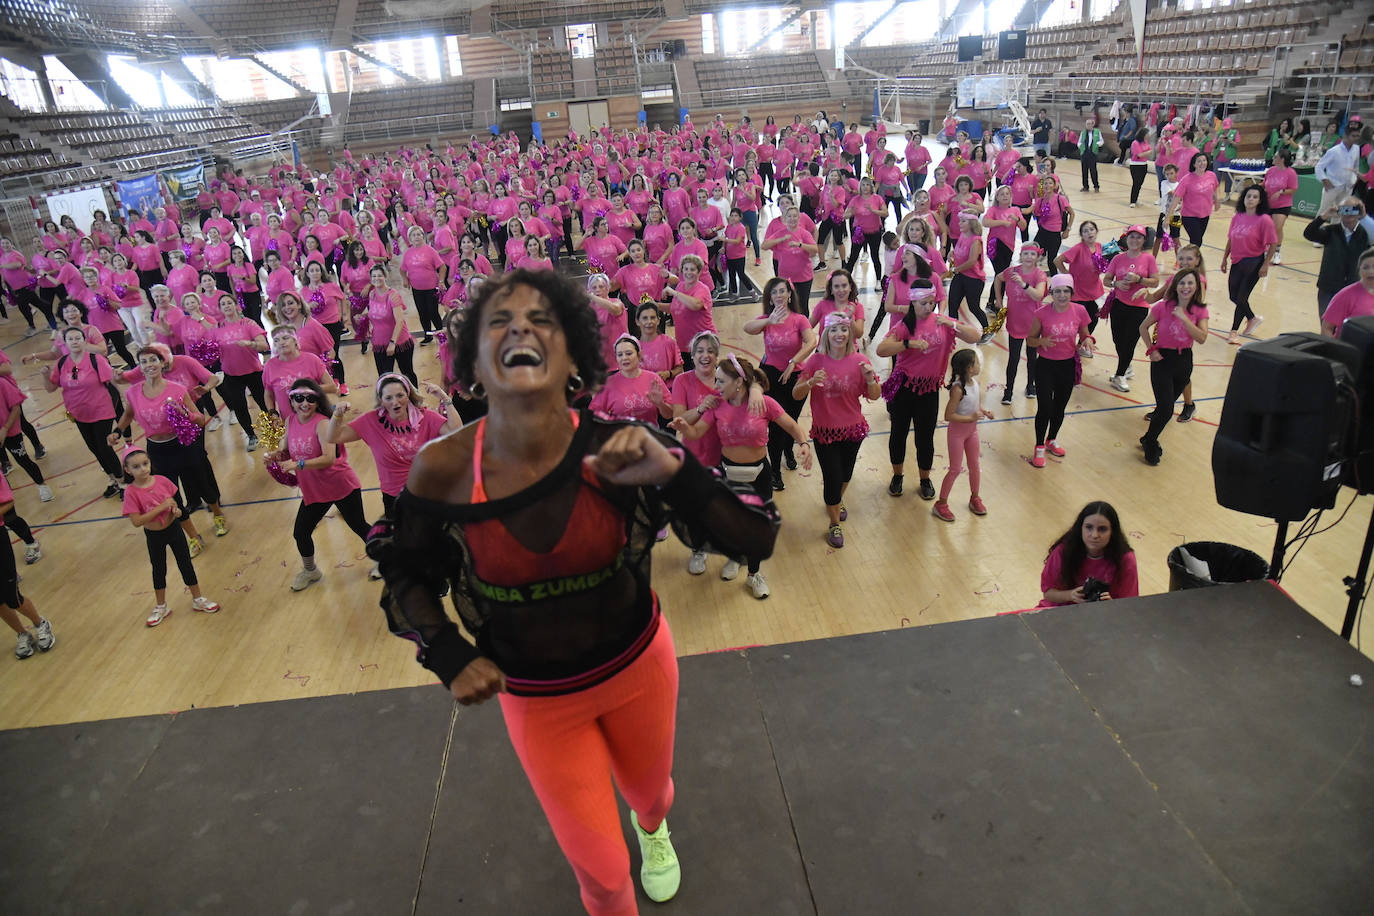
pixel 266 22
pixel 448 105
pixel 615 70
pixel 526 14
pixel 206 124
pixel 22 156
pixel 760 78
pixel 551 71
pixel 373 23
pixel 274 115
pixel 104 135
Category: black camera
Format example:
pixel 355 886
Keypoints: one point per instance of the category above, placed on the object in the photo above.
pixel 1094 589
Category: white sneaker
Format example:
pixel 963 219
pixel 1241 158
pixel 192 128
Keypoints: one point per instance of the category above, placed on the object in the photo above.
pixel 42 636
pixel 306 578
pixel 33 553
pixel 23 648
pixel 1278 257
pixel 729 570
pixel 758 585
pixel 159 614
pixel 233 419
pixel 696 563
pixel 1130 372
pixel 215 424
pixel 205 605
pixel 1119 383
pixel 375 572
pixel 44 493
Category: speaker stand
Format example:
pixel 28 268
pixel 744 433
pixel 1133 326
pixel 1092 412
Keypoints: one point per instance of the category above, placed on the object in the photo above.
pixel 1280 542
pixel 1355 585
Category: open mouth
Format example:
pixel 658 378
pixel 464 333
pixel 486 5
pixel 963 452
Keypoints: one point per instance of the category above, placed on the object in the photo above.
pixel 521 356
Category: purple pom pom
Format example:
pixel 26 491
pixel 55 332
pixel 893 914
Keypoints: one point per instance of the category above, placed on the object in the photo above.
pixel 280 475
pixel 204 351
pixel 316 297
pixel 187 430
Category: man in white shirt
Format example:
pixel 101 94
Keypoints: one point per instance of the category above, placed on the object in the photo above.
pixel 1337 168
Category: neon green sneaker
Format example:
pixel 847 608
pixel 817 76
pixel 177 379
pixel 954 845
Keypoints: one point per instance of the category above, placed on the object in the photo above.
pixel 660 874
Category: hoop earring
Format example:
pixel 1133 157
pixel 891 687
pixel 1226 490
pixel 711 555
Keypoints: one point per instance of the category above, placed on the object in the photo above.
pixel 477 391
pixel 575 384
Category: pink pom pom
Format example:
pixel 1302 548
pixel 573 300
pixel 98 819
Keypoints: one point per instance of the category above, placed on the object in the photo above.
pixel 204 351
pixel 280 475
pixel 316 297
pixel 187 430
pixel 1166 242
pixel 1100 262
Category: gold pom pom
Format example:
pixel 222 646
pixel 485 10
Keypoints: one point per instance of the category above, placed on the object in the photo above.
pixel 270 430
pixel 998 320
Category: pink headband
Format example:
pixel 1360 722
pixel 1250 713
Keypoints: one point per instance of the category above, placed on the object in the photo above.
pixel 921 295
pixel 629 337
pixel 129 452
pixel 304 390
pixel 835 318
pixel 735 362
pixel 389 377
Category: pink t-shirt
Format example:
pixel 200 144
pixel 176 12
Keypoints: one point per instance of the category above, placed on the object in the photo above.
pixel 1122 581
pixel 421 266
pixel 688 392
pixel 864 216
pixel 83 387
pixel 854 309
pixel 783 341
pixel 836 405
pixel 151 413
pixel 603 254
pixel 313 337
pixel 278 375
pixel 736 238
pixel 1142 265
pixel 925 368
pixel 392 451
pixel 234 358
pixel 962 250
pixel 326 300
pixel 1063 327
pixel 1020 306
pixel 382 308
pixel 639 281
pixel 1197 192
pixel 1170 332
pixel 1251 234
pixel 687 323
pixel 1352 302
pixel 318 485
pixel 1087 280
pixel 1279 184
pixel 659 354
pixel 611 326
pixel 138 500
pixel 1058 206
pixel 738 428
pixel 793 262
pixel 623 398
pixel 1003 235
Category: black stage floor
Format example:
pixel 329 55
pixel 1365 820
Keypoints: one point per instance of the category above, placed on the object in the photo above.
pixel 1198 752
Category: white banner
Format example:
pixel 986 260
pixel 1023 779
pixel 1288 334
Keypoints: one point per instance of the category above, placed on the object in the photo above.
pixel 79 204
pixel 1138 25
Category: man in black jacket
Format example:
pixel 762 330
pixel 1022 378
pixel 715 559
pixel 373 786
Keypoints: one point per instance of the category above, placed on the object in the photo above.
pixel 1344 232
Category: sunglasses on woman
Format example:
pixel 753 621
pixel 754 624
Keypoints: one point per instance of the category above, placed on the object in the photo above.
pixel 304 399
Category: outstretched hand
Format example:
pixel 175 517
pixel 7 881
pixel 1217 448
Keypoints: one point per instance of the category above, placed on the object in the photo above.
pixel 634 457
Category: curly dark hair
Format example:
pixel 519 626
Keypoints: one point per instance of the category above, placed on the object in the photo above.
pixel 322 406
pixel 570 305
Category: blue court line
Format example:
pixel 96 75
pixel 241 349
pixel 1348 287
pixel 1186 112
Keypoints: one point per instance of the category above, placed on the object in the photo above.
pixel 871 435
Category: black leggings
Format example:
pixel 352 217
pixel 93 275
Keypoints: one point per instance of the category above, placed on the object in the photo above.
pixel 908 409
pixel 336 329
pixel 1089 306
pixel 1050 240
pixel 252 306
pixel 427 304
pixel 837 466
pixel 15 446
pixel 15 523
pixel 94 434
pixel 766 176
pixel 119 341
pixel 1168 377
pixel 26 300
pixel 763 489
pixel 1196 227
pixel 405 356
pixel 235 390
pixel 1240 283
pixel 1054 385
pixel 825 231
pixel 158 543
pixel 873 243
pixel 308 516
pixel 896 203
pixel 1138 174
pixel 189 468
pixel 1125 320
pixel 9 578
pixel 779 442
pixel 737 283
pixel 803 288
pixel 27 429
pixel 968 290
pixel 1014 361
pixel 1001 260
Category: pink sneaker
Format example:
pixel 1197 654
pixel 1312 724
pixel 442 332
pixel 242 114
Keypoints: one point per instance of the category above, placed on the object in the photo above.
pixel 942 511
pixel 1039 460
pixel 975 505
pixel 1055 449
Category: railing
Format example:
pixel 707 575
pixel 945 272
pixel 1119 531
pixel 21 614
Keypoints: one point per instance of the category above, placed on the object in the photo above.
pixel 1177 89
pixel 743 95
pixel 1322 88
pixel 406 128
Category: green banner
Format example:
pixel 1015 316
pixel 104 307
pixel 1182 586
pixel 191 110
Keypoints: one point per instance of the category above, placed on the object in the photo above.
pixel 1308 196
pixel 186 182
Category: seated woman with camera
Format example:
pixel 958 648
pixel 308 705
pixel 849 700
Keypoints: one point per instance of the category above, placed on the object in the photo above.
pixel 1092 561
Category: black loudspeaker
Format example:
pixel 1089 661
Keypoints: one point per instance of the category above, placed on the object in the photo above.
pixel 679 49
pixel 970 47
pixel 1011 45
pixel 1285 426
pixel 1359 470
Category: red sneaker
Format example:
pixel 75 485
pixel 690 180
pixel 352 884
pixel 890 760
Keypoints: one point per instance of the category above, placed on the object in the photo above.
pixel 1055 449
pixel 975 505
pixel 942 511
pixel 1039 460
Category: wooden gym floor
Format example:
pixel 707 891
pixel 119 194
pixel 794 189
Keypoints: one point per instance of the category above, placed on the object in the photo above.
pixel 900 566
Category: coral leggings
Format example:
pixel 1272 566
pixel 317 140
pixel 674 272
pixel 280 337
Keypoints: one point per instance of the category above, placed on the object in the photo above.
pixel 963 443
pixel 571 745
